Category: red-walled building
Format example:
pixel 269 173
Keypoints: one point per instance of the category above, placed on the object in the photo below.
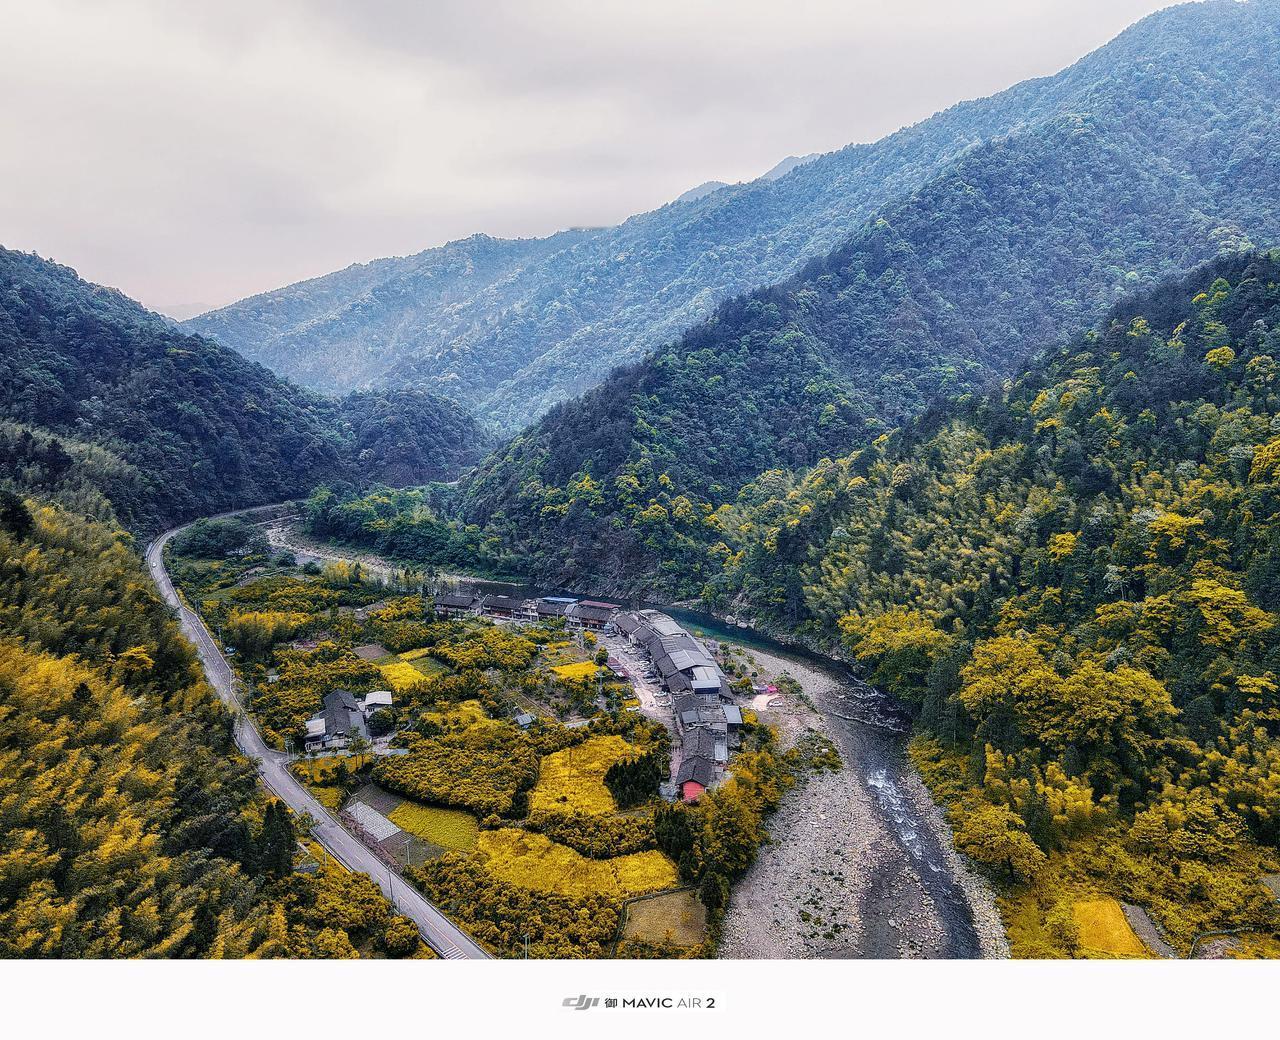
pixel 695 775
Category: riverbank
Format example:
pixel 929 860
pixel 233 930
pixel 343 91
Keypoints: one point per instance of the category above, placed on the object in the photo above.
pixel 861 862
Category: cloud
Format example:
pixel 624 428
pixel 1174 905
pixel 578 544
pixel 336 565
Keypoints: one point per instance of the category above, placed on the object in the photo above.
pixel 195 153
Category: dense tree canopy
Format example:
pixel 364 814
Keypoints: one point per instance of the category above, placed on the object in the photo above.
pixel 174 426
pixel 1012 246
pixel 1072 583
pixel 129 824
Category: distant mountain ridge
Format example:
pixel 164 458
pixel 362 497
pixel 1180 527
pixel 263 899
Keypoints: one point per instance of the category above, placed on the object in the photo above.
pixel 513 327
pixel 772 174
pixel 1022 241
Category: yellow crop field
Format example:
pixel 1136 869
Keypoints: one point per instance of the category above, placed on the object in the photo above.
pixel 573 779
pixel 448 828
pixel 400 674
pixel 579 670
pixel 413 655
pixel 462 715
pixel 1104 929
pixel 533 861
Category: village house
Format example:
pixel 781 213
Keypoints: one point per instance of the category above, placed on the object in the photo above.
pixel 590 613
pixel 503 606
pixel 708 744
pixel 456 603
pixel 376 700
pixel 694 777
pixel 344 717
pixel 685 665
pixel 553 606
pixel 706 717
pixel 337 724
pixel 695 712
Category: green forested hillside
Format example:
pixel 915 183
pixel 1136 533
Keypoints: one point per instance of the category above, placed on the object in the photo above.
pixel 353 328
pixel 1015 245
pixel 514 327
pixel 175 426
pixel 1074 582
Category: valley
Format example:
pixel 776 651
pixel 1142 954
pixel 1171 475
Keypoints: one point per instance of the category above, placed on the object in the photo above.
pixel 901 891
pixel 876 559
pixel 872 822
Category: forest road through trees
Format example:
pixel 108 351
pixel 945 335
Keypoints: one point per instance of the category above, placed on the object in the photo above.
pixel 437 931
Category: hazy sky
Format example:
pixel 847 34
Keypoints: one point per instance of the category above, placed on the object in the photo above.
pixel 193 153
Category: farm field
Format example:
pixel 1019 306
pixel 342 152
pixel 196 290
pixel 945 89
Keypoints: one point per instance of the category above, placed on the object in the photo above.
pixel 462 715
pixel 459 745
pixel 1104 931
pixel 573 779
pixel 450 829
pixel 535 862
pixel 422 660
pixel 400 675
pixel 673 917
pixel 402 670
pixel 577 670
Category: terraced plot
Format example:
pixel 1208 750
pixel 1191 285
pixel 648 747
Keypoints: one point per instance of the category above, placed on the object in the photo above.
pixel 573 780
pixel 448 828
pixel 535 862
pixel 673 917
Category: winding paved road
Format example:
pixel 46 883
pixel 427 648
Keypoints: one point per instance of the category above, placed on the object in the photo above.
pixel 441 934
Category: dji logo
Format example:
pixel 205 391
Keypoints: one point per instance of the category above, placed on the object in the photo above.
pixel 580 1003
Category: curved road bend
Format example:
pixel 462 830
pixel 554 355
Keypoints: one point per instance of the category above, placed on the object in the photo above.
pixel 441 934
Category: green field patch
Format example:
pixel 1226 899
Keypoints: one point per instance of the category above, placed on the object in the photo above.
pixel 448 828
pixel 428 666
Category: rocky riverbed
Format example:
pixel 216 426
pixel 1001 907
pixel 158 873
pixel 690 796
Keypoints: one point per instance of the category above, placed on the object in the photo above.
pixel 862 863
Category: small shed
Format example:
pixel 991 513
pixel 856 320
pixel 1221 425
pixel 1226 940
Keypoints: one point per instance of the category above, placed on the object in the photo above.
pixel 377 700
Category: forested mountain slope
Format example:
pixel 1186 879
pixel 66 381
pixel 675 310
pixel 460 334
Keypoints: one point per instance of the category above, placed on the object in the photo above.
pixel 1076 584
pixel 174 425
pixel 514 327
pixel 1010 248
pixel 349 329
